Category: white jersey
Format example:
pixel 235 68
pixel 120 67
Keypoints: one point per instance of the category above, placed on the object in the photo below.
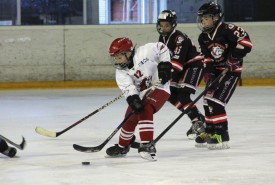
pixel 144 73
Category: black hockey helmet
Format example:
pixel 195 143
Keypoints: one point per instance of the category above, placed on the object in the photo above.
pixel 169 16
pixel 212 9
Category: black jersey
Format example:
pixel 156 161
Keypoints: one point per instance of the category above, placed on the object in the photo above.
pixel 227 40
pixel 182 49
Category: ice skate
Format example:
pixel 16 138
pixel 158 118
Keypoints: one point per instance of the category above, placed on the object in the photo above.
pixel 117 151
pixel 202 139
pixel 218 142
pixel 148 151
pixel 196 128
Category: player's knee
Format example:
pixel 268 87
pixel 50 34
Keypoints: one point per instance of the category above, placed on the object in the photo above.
pixel 184 96
pixel 215 108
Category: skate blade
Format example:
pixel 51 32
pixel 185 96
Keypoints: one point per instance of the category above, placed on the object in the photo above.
pixel 118 156
pixel 148 156
pixel 200 145
pixel 192 136
pixel 219 146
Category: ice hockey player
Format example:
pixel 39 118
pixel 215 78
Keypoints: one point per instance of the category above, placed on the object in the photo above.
pixel 137 70
pixel 7 150
pixel 187 68
pixel 223 46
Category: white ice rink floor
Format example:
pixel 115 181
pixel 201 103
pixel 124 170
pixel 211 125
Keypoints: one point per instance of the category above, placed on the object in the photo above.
pixel 53 161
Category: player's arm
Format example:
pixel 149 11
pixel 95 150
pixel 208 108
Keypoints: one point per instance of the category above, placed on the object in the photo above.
pixel 179 57
pixel 241 45
pixel 240 40
pixel 126 84
pixel 164 66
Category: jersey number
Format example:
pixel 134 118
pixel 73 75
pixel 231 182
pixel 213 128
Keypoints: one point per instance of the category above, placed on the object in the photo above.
pixel 138 74
pixel 177 50
pixel 239 32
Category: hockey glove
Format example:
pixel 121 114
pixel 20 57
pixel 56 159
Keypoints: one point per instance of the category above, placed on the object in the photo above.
pixel 232 63
pixel 208 65
pixel 164 71
pixel 135 103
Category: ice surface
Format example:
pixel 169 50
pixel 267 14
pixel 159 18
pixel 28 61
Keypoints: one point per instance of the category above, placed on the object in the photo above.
pixel 53 161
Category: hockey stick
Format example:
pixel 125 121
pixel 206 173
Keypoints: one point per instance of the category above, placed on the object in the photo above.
pixel 20 146
pixel 136 144
pixel 48 133
pixel 99 147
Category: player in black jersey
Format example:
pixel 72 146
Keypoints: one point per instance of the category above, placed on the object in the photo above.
pixel 187 68
pixel 7 150
pixel 223 46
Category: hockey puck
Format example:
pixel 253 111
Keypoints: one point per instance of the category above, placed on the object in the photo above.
pixel 85 163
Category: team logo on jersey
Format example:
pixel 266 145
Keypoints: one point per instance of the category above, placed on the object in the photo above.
pixel 179 39
pixel 217 51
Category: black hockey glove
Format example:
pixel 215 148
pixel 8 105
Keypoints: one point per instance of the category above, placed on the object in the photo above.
pixel 164 71
pixel 135 103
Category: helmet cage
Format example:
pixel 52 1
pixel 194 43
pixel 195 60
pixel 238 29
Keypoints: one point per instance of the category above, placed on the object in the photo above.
pixel 121 66
pixel 208 29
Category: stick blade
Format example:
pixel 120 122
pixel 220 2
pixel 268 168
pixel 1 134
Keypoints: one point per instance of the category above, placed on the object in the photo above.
pixel 23 144
pixel 86 149
pixel 45 132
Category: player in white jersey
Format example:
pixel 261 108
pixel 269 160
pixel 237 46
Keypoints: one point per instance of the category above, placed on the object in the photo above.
pixel 136 72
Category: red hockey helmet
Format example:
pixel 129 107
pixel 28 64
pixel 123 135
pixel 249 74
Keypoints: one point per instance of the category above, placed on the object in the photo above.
pixel 120 45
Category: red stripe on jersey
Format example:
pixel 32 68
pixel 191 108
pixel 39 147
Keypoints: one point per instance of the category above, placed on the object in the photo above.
pixel 237 70
pixel 196 58
pixel 176 65
pixel 246 42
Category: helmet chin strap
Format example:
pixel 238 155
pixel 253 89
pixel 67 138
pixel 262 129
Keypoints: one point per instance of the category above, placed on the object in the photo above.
pixel 165 34
pixel 166 41
pixel 130 59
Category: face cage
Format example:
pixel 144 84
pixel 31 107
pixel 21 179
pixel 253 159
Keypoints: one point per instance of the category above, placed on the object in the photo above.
pixel 164 34
pixel 206 29
pixel 119 66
